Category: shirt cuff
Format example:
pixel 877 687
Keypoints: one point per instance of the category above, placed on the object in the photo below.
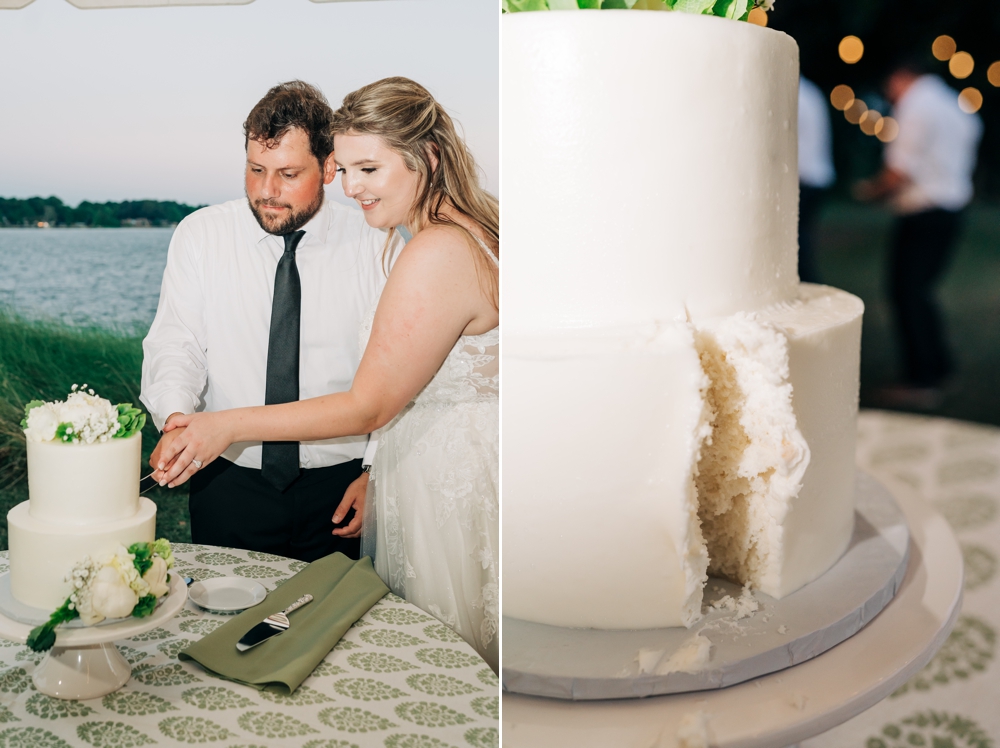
pixel 174 402
pixel 370 451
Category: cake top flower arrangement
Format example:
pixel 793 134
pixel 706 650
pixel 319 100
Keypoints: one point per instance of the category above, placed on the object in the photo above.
pixel 736 9
pixel 128 582
pixel 83 417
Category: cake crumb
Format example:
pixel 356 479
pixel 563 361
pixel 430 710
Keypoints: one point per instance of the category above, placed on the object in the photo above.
pixel 799 701
pixel 648 659
pixel 744 606
pixel 692 732
pixel 690 657
pixel 782 629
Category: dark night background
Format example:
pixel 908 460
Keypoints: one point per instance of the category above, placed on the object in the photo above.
pixel 853 237
pixel 891 29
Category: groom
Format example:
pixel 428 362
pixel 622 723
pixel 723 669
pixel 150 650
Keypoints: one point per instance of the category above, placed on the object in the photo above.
pixel 261 302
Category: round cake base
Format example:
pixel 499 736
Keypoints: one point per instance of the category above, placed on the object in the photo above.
pixel 85 664
pixel 585 664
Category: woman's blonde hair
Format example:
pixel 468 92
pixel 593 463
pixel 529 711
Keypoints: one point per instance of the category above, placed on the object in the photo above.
pixel 410 122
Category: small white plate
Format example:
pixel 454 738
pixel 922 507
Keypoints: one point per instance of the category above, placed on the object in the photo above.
pixel 227 594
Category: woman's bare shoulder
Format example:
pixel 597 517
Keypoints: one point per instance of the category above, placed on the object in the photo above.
pixel 437 244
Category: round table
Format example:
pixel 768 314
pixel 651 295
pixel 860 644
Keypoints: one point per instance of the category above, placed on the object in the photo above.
pixel 889 656
pixel 397 679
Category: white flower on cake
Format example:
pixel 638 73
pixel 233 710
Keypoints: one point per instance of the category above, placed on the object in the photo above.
pixel 83 417
pixel 156 577
pixel 110 594
pixel 128 582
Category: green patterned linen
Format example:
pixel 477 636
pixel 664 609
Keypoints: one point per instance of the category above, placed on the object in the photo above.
pixel 343 590
pixel 397 678
pixel 950 703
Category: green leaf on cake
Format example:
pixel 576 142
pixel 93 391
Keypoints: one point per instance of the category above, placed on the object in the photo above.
pixel 737 9
pixel 650 5
pixel 562 5
pixel 143 553
pixel 515 6
pixel 66 433
pixel 614 5
pixel 43 637
pixel 145 606
pixel 694 6
pixel 131 421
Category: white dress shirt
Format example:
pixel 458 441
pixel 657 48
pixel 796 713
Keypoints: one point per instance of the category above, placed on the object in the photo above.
pixel 207 347
pixel 815 147
pixel 936 148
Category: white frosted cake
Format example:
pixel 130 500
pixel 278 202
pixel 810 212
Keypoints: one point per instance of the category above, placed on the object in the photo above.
pixel 83 501
pixel 676 403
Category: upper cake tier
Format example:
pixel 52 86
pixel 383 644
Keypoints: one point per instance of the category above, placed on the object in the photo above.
pixel 661 147
pixel 84 484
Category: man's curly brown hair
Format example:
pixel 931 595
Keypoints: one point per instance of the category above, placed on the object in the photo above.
pixel 288 105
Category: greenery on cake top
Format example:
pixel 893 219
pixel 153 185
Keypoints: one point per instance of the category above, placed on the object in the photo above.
pixel 81 417
pixel 737 9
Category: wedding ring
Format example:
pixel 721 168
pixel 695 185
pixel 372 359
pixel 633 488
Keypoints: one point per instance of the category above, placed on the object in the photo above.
pixel 197 463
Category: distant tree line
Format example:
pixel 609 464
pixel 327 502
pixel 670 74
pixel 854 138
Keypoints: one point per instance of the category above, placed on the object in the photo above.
pixel 52 210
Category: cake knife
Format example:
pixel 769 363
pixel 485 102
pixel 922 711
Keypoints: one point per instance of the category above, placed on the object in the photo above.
pixel 274 624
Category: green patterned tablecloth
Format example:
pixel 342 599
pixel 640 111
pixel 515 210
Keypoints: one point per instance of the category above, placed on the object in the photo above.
pixel 951 703
pixel 398 679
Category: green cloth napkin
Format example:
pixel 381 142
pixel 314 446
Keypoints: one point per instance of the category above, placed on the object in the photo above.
pixel 343 591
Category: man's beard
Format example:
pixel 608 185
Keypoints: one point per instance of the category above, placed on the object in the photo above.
pixel 292 222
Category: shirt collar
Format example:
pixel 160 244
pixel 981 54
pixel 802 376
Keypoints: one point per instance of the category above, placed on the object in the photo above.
pixel 317 227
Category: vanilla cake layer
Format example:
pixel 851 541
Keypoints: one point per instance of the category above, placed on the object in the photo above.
pixel 787 458
pixel 604 437
pixel 650 165
pixel 84 484
pixel 42 553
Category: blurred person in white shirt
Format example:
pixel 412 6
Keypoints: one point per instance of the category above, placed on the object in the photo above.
pixel 927 181
pixel 816 173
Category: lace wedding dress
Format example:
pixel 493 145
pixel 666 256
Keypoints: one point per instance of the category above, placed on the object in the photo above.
pixel 433 506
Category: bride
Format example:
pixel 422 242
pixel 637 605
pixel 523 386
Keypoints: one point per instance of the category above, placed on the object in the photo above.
pixel 429 376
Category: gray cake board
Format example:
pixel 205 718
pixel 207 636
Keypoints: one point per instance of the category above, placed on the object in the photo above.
pixel 585 664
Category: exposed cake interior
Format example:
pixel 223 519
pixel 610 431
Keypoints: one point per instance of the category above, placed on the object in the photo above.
pixel 752 462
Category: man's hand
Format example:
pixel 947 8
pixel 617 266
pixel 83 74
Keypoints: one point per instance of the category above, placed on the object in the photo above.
pixel 353 496
pixel 165 439
pixel 883 184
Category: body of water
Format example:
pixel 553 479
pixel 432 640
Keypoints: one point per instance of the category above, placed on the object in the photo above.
pixel 106 277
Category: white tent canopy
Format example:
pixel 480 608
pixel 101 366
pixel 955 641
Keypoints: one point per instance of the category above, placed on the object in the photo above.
pixel 92 4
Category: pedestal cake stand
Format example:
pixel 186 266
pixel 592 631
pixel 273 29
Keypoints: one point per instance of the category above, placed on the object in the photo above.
pixel 84 663
pixel 784 707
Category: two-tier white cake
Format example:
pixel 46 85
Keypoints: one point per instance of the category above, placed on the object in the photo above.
pixel 83 501
pixel 675 402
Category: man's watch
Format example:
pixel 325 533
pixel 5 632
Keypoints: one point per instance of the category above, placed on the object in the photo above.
pixel 366 469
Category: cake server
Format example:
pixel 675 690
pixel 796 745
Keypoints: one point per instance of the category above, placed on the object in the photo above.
pixel 274 624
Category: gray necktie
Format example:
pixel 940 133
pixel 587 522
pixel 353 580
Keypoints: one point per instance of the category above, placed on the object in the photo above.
pixel 279 462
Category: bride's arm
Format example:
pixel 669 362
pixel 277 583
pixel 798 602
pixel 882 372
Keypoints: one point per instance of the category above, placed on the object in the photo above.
pixel 430 298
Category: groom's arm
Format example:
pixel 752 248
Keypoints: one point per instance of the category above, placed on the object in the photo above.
pixel 174 363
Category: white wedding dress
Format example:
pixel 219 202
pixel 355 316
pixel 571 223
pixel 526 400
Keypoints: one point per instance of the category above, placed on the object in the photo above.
pixel 433 509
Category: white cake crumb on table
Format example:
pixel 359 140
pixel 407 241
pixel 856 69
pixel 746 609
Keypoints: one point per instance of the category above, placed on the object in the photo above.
pixel 692 732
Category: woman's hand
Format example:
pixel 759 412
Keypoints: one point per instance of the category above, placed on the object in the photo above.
pixel 354 496
pixel 204 438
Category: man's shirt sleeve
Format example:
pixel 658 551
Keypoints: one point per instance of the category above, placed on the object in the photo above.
pixel 174 363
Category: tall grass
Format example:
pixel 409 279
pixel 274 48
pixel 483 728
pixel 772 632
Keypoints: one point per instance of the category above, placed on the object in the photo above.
pixel 42 360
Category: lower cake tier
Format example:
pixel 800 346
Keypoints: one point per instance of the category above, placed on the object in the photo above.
pixel 637 463
pixel 42 554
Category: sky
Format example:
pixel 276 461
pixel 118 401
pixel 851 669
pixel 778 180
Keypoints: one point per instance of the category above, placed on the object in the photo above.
pixel 149 103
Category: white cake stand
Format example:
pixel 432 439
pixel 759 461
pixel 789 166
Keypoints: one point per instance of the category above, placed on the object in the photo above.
pixel 788 706
pixel 84 663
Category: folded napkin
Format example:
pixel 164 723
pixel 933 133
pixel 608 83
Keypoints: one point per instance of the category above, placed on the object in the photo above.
pixel 343 591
